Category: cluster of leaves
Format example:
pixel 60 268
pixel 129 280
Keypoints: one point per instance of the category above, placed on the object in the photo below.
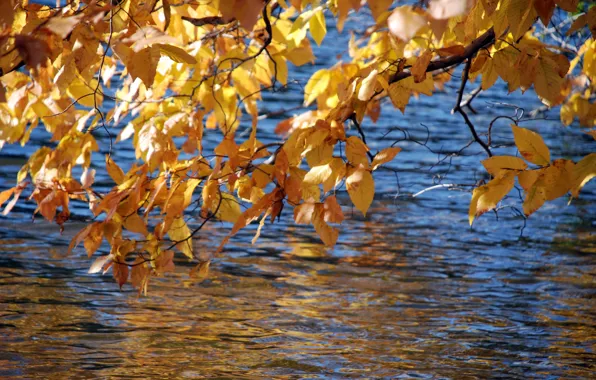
pixel 183 69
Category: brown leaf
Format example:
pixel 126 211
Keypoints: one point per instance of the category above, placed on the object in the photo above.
pixel 34 51
pixel 165 262
pixel 6 13
pixel 333 212
pixel 120 272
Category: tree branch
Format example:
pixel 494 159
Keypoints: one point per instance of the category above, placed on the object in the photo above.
pixel 485 40
pixel 458 108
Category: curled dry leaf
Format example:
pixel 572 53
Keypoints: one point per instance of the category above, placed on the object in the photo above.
pixel 404 22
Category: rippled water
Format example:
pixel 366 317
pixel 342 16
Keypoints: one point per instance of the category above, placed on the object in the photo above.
pixel 410 291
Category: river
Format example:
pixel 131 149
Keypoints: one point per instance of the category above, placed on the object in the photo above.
pixel 410 291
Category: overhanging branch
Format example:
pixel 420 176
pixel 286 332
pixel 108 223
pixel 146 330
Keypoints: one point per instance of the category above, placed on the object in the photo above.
pixel 485 40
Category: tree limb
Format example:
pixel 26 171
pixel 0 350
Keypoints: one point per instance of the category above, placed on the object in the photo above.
pixel 458 107
pixel 485 40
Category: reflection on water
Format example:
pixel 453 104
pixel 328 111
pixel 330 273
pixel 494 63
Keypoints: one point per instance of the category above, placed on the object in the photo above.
pixel 390 301
pixel 410 291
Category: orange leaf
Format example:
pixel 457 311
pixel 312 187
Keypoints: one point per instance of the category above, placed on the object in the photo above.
pixel 120 272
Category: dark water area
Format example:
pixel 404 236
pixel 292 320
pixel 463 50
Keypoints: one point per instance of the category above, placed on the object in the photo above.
pixel 410 291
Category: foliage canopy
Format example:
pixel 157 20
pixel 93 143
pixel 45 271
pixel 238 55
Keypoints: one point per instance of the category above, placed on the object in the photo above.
pixel 182 67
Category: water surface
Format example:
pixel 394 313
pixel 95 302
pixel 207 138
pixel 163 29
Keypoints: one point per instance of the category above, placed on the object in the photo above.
pixel 409 291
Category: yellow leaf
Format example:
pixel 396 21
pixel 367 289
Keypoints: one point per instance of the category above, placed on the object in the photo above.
pixel 338 168
pixel 535 197
pixel 486 197
pixel 384 156
pixel 356 151
pixel 558 178
pixel 404 23
pixel 176 54
pixel 361 188
pixel 528 177
pixel 583 171
pixel 489 74
pixel 399 95
pixel 318 174
pixel 114 170
pixel 179 232
pixel 317 26
pixel 367 88
pixel 476 193
pixel 279 68
pixel 229 208
pixel 327 233
pixel 547 82
pixel 316 85
pixel 498 166
pixel 531 146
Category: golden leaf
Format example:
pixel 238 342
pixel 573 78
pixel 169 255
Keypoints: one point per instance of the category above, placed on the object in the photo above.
pixel 361 188
pixel 180 234
pixel 318 174
pixel 498 166
pixel 486 197
pixel 316 85
pixel 114 170
pixel 229 208
pixel 384 156
pixel 531 146
pixel 583 171
pixel 418 70
pixel 356 151
pixel 327 233
pixel 317 26
pixel 176 54
pixel 367 88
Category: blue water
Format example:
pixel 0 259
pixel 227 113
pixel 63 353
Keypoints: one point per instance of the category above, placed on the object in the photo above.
pixel 411 290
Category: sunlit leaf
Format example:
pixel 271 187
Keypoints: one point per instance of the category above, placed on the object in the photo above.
pixel 361 188
pixel 531 146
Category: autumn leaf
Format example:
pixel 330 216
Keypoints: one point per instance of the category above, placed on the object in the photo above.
pixel 361 188
pixel 180 234
pixel 404 23
pixel 114 170
pixel 443 9
pixel 583 172
pixel 333 212
pixel 419 68
pixel 498 166
pixel 367 88
pixel 317 26
pixel 327 233
pixel 384 156
pixel 486 197
pixel 229 208
pixel 531 146
pixel 120 272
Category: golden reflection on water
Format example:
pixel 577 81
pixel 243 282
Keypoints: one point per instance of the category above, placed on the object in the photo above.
pixel 388 305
